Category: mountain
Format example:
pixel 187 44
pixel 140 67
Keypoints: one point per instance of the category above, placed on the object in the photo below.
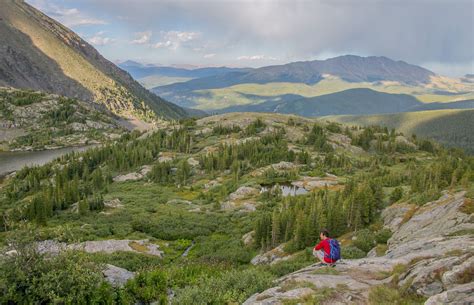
pixel 449 126
pixel 138 70
pixel 352 101
pixel 39 53
pixel 350 68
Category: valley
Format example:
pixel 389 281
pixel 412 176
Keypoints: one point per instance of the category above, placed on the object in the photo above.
pixel 203 182
pixel 227 152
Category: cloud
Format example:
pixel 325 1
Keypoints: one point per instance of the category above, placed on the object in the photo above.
pixel 412 30
pixel 142 37
pixel 100 40
pixel 70 17
pixel 175 39
pixel 256 57
pixel 210 55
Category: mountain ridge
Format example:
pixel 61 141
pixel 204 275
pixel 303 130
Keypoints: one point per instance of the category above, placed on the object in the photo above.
pixel 35 46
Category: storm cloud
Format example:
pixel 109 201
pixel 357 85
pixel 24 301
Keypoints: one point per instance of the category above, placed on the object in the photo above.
pixel 438 32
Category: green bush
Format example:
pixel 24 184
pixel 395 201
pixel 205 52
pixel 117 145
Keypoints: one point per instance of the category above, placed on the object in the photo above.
pixel 382 236
pixel 352 252
pixel 68 278
pixel 364 240
pixel 231 287
pixel 148 286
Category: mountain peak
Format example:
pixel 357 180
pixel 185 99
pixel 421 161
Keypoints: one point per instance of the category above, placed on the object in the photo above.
pixel 41 54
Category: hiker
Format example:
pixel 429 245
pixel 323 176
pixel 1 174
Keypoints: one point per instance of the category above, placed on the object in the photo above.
pixel 328 250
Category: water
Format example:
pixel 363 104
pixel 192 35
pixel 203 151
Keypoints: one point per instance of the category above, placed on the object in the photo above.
pixel 13 161
pixel 286 189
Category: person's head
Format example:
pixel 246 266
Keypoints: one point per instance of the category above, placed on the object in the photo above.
pixel 324 234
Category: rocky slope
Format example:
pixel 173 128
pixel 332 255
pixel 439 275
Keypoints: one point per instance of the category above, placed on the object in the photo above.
pixel 431 254
pixel 41 54
pixel 35 120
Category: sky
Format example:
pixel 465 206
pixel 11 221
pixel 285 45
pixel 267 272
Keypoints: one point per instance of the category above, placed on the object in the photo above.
pixel 436 34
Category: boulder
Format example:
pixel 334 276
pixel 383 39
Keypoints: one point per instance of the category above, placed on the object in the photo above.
pixel 244 192
pixel 117 276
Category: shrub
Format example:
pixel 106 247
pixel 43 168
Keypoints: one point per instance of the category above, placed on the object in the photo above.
pixel 364 240
pixel 148 286
pixel 382 236
pixel 68 278
pixel 396 194
pixel 230 287
pixel 352 252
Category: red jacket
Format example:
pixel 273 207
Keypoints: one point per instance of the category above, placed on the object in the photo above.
pixel 324 244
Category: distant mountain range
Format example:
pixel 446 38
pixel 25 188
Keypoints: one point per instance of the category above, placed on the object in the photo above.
pixel 346 84
pixel 350 68
pixel 138 70
pixel 36 52
pixel 353 101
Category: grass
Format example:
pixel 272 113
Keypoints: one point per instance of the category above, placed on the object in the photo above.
pixel 138 247
pixel 386 295
pixel 467 206
pixel 326 270
pixel 293 284
pixel 318 297
pixel 381 249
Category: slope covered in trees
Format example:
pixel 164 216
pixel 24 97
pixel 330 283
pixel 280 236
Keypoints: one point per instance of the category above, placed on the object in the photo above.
pixel 211 195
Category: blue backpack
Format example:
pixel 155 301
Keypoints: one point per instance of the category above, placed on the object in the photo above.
pixel 335 252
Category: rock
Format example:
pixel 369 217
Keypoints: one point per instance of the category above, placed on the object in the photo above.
pixel 248 206
pixel 310 183
pixel 458 273
pixel 145 170
pixel 128 177
pixel 164 159
pixel 461 294
pixel 107 246
pixel 179 201
pixel 193 162
pixel 117 276
pixel 271 257
pixel 211 184
pixel 248 239
pixel 113 203
pixel 395 214
pixel 244 192
pixel 283 165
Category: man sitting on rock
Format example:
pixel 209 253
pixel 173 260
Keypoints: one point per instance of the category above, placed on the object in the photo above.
pixel 328 250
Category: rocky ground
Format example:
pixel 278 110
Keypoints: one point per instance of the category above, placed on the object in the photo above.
pixel 431 253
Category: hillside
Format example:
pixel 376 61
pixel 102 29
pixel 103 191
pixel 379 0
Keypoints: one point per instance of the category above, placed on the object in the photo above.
pixel 39 53
pixel 350 68
pixel 34 120
pixel 352 101
pixel 312 79
pixel 219 210
pixel 450 127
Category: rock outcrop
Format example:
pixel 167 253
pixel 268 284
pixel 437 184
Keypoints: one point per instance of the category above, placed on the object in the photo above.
pixel 433 244
pixel 107 246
